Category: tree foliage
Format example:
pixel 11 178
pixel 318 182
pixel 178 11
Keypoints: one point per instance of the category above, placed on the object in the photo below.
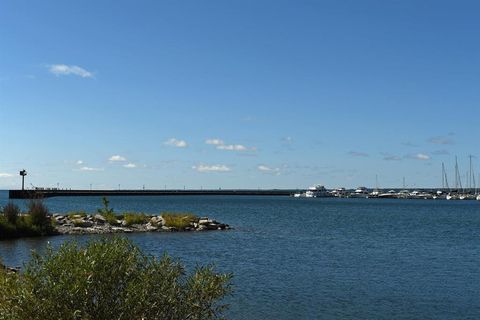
pixel 110 279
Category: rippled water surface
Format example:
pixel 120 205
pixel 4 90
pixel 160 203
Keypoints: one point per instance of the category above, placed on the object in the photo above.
pixel 317 258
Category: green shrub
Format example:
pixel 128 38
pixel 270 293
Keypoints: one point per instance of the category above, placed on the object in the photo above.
pixel 106 210
pixel 11 212
pixel 134 218
pixel 178 220
pixel 110 279
pixel 38 213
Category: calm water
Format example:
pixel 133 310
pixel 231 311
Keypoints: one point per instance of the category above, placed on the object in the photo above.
pixel 318 258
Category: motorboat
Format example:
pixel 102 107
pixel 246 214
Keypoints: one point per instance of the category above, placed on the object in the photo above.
pixel 317 191
pixel 360 192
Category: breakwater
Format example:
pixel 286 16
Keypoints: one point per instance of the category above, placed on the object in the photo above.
pixel 48 193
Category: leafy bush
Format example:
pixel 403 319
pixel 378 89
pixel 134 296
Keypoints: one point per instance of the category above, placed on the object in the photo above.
pixel 38 212
pixel 11 212
pixel 134 218
pixel 110 279
pixel 106 210
pixel 178 220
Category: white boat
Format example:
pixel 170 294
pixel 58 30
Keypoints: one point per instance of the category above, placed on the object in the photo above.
pixel 452 196
pixel 339 193
pixel 389 195
pixel 360 192
pixel 317 191
pixel 478 197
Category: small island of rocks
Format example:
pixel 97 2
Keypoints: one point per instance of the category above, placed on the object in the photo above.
pixel 128 223
pixel 38 221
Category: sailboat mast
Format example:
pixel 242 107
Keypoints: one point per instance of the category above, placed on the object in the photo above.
pixel 443 176
pixel 456 173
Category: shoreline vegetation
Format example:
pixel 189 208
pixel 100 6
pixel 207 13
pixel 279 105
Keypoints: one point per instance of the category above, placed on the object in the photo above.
pixel 110 278
pixel 38 221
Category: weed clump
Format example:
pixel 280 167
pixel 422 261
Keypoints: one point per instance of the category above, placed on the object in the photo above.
pixel 179 221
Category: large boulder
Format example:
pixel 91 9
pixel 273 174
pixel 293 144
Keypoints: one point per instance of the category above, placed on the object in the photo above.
pixel 157 221
pixel 99 219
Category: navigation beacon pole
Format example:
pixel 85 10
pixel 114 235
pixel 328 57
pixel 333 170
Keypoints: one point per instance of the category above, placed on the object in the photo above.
pixel 23 173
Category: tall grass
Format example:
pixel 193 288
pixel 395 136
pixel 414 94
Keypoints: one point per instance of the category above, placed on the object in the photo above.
pixel 178 220
pixel 134 218
pixel 11 212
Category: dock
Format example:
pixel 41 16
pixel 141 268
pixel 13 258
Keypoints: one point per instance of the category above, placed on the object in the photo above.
pixel 49 193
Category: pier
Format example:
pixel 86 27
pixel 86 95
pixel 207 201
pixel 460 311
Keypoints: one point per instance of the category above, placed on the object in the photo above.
pixel 49 193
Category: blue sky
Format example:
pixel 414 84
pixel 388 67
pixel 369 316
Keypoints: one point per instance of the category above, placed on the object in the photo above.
pixel 237 94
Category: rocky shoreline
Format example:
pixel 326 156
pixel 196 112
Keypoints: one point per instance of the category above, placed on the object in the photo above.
pixel 98 224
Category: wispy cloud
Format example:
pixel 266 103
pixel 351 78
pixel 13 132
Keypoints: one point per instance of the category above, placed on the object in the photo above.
pixel 442 152
pixel 5 175
pixel 117 158
pixel 215 142
pixel 220 145
pixel 176 143
pixel 266 169
pixel 212 168
pixel 63 69
pixel 418 156
pixel 409 144
pixel 90 169
pixel 79 162
pixel 441 140
pixel 287 140
pixel 422 156
pixel 233 147
pixel 358 154
pixel 391 157
pixel 130 165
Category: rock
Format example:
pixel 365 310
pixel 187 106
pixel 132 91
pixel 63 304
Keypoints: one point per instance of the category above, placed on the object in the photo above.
pixel 150 227
pixel 203 221
pixel 202 228
pixel 157 220
pixel 99 218
pixel 120 229
pixel 83 223
pixel 165 228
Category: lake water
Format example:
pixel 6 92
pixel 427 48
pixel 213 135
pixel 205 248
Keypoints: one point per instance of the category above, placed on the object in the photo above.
pixel 317 258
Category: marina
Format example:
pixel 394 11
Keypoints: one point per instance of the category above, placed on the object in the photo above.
pixel 316 191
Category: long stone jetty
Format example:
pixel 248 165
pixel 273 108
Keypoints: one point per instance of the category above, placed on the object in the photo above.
pixel 48 193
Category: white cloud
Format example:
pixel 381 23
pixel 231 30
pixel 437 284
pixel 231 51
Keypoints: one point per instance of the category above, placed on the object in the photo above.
pixel 5 175
pixel 220 145
pixel 232 147
pixel 176 143
pixel 130 165
pixel 391 157
pixel 215 142
pixel 421 156
pixel 267 169
pixel 90 169
pixel 212 168
pixel 117 158
pixel 63 69
pixel 79 162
